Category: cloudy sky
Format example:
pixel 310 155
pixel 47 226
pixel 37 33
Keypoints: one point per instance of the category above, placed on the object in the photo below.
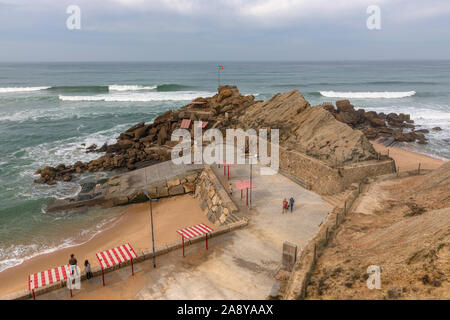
pixel 219 30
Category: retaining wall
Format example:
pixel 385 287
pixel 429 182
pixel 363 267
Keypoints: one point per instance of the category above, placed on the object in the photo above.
pixel 214 199
pixel 326 180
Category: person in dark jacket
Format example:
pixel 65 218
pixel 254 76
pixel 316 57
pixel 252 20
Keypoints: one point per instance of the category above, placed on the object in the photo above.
pixel 291 203
pixel 87 269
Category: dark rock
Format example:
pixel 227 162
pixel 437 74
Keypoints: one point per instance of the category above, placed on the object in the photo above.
pixel 141 132
pixel 344 105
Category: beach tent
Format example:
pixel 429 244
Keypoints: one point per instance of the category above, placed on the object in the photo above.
pixel 202 124
pixel 244 184
pixel 185 124
pixel 227 165
pixel 48 277
pixel 118 255
pixel 194 232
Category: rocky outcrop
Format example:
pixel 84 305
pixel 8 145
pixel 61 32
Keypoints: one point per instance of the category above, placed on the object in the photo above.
pixel 147 143
pixel 399 127
pixel 309 130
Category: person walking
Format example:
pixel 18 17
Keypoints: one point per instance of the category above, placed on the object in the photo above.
pixel 87 269
pixel 285 205
pixel 291 203
pixel 231 189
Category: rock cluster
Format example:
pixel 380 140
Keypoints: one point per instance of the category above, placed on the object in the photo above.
pixel 309 130
pixel 399 127
pixel 145 144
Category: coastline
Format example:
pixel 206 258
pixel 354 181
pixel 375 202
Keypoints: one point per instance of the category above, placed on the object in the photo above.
pixel 128 228
pixel 406 160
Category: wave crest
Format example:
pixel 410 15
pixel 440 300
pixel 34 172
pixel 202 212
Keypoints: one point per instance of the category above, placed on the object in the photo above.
pixel 22 89
pixel 116 87
pixel 368 95
pixel 140 97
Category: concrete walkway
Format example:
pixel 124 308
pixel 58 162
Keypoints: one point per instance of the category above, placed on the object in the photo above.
pixel 238 265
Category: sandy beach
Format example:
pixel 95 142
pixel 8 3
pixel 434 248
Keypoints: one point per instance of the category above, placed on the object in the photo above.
pixel 407 160
pixel 133 226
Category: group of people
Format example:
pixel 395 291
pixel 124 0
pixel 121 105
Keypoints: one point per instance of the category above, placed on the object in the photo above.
pixel 87 266
pixel 288 205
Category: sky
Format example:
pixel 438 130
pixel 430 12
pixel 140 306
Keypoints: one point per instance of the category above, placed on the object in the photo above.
pixel 224 30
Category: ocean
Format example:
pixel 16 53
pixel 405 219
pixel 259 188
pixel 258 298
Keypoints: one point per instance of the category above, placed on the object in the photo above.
pixel 49 113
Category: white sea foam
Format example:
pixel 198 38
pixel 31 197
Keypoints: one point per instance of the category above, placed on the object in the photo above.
pixel 22 89
pixel 15 255
pixel 116 87
pixel 368 95
pixel 140 97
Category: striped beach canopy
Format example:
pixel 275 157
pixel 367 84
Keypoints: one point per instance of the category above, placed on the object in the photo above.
pixel 185 124
pixel 225 164
pixel 112 257
pixel 45 278
pixel 202 124
pixel 195 231
pixel 244 184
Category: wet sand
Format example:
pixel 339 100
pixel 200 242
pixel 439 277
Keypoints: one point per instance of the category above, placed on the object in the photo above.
pixel 132 227
pixel 407 160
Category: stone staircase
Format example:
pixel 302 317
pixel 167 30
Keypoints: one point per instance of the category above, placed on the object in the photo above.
pixel 233 217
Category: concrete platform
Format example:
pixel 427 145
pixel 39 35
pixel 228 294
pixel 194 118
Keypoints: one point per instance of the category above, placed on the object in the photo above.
pixel 238 265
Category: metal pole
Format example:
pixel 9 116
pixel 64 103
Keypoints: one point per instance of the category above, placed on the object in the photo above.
pixel 153 235
pixel 251 160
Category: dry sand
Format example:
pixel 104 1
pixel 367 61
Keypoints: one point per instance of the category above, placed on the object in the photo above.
pixel 133 226
pixel 407 160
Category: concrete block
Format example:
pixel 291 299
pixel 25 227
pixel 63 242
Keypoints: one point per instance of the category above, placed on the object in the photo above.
pixel 289 256
pixel 176 190
pixel 173 183
pixel 163 192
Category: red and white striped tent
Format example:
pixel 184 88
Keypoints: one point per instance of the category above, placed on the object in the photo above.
pixel 185 124
pixel 45 278
pixel 115 256
pixel 194 232
pixel 202 124
pixel 227 165
pixel 244 184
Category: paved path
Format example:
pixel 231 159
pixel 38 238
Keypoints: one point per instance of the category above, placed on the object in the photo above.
pixel 238 265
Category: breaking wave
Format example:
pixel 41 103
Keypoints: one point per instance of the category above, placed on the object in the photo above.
pixel 140 97
pixel 116 87
pixel 22 89
pixel 368 95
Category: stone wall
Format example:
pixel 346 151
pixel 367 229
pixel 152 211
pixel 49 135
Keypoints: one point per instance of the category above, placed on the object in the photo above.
pixel 174 186
pixel 326 180
pixel 214 200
